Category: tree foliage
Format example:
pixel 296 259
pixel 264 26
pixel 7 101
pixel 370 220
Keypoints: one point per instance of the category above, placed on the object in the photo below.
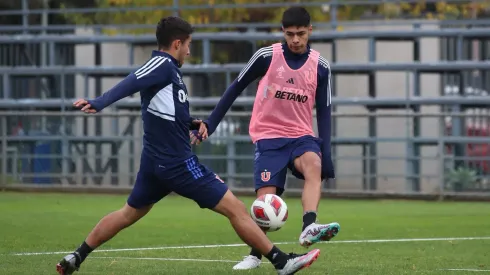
pixel 438 10
pixel 207 13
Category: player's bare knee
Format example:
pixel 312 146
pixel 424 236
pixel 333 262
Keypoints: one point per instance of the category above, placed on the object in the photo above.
pixel 314 165
pixel 309 164
pixel 132 215
pixel 230 206
pixel 241 209
pixel 237 209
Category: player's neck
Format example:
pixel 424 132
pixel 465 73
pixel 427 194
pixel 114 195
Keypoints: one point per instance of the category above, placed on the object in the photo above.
pixel 173 56
pixel 170 52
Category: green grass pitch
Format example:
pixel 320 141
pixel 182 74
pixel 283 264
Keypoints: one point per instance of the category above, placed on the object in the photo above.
pixel 60 222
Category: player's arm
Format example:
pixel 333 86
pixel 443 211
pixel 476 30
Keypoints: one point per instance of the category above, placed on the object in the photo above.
pixel 324 117
pixel 151 73
pixel 256 67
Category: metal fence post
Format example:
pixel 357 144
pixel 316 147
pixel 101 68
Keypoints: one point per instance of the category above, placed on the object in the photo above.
pixel 372 120
pixel 415 177
pixel 333 14
pixel 231 161
pixel 6 86
pixel 64 142
pixel 4 160
pixel 25 16
pixel 175 7
pixel 442 162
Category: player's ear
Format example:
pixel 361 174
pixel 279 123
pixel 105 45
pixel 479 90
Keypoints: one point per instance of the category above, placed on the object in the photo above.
pixel 177 44
pixel 310 29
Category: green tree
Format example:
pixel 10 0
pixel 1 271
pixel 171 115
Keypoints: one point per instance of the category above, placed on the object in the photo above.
pixel 209 14
pixel 194 16
pixel 440 10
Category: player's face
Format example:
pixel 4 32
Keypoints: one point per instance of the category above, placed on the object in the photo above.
pixel 297 38
pixel 184 50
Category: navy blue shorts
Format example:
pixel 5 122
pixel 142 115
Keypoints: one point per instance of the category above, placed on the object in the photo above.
pixel 189 179
pixel 274 156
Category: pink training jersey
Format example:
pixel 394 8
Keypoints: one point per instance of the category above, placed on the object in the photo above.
pixel 283 106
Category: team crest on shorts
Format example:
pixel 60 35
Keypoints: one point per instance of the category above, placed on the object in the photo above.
pixel 265 176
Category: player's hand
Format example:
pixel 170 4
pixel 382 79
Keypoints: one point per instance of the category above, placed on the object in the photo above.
pixel 203 130
pixel 197 136
pixel 86 107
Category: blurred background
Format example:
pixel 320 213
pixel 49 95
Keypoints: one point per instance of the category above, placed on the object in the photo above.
pixel 410 81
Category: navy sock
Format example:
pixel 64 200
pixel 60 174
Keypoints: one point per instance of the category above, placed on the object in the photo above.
pixel 84 250
pixel 277 257
pixel 256 253
pixel 308 218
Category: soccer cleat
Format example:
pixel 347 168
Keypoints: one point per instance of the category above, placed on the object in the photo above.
pixel 314 233
pixel 297 262
pixel 69 264
pixel 249 262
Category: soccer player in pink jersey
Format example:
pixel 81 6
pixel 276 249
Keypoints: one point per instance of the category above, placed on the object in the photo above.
pixel 294 78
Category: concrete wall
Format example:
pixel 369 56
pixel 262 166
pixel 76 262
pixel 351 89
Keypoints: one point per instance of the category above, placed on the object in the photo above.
pixel 389 84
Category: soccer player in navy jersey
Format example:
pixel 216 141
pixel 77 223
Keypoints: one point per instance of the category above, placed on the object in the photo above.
pixel 167 162
pixel 294 78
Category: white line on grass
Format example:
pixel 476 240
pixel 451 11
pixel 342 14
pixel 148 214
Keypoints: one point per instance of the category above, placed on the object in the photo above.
pixel 465 269
pixel 165 259
pixel 242 244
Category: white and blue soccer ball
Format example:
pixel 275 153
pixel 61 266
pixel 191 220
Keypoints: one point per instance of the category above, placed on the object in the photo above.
pixel 269 212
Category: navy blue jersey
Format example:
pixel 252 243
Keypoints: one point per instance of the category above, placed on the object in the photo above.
pixel 164 106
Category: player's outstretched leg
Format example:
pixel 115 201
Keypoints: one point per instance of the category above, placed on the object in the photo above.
pixel 106 229
pixel 309 165
pixel 254 259
pixel 231 207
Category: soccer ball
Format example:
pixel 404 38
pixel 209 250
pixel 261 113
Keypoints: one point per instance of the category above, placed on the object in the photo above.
pixel 270 212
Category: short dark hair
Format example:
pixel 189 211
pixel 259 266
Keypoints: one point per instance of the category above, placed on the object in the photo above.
pixel 295 17
pixel 170 29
